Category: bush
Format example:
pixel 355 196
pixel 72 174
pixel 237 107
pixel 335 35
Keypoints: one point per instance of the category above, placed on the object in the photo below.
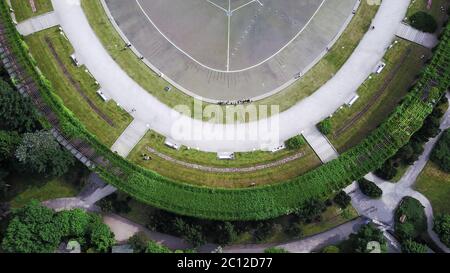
pixel 442 228
pixel 342 199
pixel 325 127
pixel 311 211
pixel 424 22
pixel 368 233
pixel 295 143
pixel 410 246
pixel 441 153
pixel 369 188
pixel 331 249
pixel 153 247
pixel 275 250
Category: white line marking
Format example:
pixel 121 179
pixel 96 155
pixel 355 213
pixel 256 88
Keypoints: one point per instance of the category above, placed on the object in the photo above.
pixel 244 5
pixel 230 71
pixel 229 35
pixel 217 6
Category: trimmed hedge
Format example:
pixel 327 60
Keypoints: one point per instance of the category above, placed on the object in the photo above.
pixel 260 202
pixel 369 188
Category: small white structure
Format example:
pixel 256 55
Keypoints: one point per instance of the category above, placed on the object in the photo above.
pixel 102 95
pixel 380 67
pixel 73 247
pixel 353 100
pixel 75 60
pixel 225 156
pixel 278 148
pixel 172 144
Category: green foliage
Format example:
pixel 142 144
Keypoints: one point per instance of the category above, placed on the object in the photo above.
pixel 153 247
pixel 331 249
pixel 423 21
pixel 369 188
pixel 295 143
pixel 311 211
pixel 275 250
pixel 226 233
pixel 16 112
pixel 40 153
pixel 32 230
pixel 8 143
pixel 37 229
pixel 416 220
pixel 342 199
pixel 368 233
pixel 325 127
pixel 101 237
pixel 442 228
pixel 441 153
pixel 139 242
pixel 410 246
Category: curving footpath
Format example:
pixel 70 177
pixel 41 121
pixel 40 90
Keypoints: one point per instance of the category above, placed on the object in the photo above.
pixel 159 117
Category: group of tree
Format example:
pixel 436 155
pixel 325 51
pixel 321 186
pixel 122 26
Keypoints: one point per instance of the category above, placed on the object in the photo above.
pixel 411 152
pixel 442 228
pixel 37 229
pixel 441 153
pixel 24 146
pixel 359 242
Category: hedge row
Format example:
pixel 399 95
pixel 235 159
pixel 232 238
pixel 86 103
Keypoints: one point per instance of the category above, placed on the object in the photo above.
pixel 259 202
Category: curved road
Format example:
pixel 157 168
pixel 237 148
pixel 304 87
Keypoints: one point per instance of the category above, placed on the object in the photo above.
pixel 159 117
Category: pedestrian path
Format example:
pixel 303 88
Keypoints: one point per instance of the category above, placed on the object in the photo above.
pixel 130 138
pixel 409 33
pixel 320 144
pixel 38 23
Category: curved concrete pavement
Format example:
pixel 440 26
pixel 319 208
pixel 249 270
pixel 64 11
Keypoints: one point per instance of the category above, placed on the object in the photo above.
pixel 159 117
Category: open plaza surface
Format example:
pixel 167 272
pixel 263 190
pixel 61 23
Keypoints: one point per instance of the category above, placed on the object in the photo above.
pixel 141 126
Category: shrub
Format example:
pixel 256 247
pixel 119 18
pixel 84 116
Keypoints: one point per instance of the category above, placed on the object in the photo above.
pixel 388 170
pixel 368 233
pixel 153 247
pixel 369 188
pixel 275 250
pixel 295 143
pixel 331 249
pixel 342 199
pixel 423 21
pixel 410 246
pixel 325 127
pixel 442 228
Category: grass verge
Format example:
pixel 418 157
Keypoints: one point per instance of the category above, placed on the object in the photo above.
pixel 23 11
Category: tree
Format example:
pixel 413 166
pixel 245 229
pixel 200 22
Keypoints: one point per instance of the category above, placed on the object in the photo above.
pixel 139 242
pixel 153 247
pixel 325 127
pixel 101 237
pixel 342 199
pixel 295 143
pixel 442 228
pixel 16 112
pixel 40 153
pixel 311 211
pixel 368 233
pixel 32 230
pixel 441 153
pixel 369 188
pixel 8 143
pixel 423 21
pixel 410 246
pixel 73 223
pixel 226 233
pixel 3 185
pixel 388 170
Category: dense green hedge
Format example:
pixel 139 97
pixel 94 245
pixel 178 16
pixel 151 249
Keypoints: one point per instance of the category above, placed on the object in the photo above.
pixel 259 202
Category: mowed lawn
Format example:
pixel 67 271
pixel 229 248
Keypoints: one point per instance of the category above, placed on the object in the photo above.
pixel 435 185
pixel 379 95
pixel 313 80
pixel 23 11
pixel 66 90
pixel 180 173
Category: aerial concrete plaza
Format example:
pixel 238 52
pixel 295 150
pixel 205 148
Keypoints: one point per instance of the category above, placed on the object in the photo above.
pixel 224 126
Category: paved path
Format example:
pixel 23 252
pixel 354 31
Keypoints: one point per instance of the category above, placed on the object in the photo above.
pixel 383 209
pixel 130 138
pixel 416 36
pixel 162 119
pixel 38 23
pixel 320 144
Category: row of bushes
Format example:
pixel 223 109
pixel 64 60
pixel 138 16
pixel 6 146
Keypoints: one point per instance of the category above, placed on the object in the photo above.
pixel 259 202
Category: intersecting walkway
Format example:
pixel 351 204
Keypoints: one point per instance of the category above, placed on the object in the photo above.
pixel 38 23
pixel 416 36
